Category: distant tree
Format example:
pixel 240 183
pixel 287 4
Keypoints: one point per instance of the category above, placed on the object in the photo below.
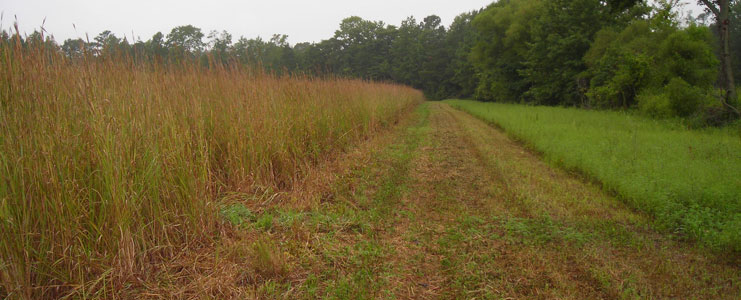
pixel 460 39
pixel 34 38
pixel 39 39
pixel 505 32
pixel 184 40
pixel 561 37
pixel 407 53
pixel 275 54
pixel 279 40
pixel 257 50
pixel 157 46
pixel 220 43
pixel 75 48
pixel 364 48
pixel 106 42
pixel 239 50
pixel 141 51
pixel 124 47
pixel 279 54
pixel 324 57
pixel 436 54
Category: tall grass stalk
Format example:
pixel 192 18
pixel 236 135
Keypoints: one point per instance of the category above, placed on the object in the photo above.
pixel 108 166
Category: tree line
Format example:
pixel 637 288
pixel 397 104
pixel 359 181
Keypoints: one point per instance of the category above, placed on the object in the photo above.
pixel 608 54
pixel 603 54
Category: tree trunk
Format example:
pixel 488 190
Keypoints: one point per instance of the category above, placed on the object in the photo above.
pixel 725 54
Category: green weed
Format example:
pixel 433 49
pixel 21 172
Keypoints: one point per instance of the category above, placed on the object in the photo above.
pixel 237 214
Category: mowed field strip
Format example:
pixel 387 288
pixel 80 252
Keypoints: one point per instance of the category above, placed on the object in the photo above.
pixel 445 206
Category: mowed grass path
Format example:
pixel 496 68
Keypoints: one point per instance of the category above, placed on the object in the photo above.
pixel 445 207
pixel 688 180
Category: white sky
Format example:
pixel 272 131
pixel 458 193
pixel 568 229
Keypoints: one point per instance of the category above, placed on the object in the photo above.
pixel 300 20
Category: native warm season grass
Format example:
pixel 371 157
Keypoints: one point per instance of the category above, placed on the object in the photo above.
pixel 690 180
pixel 107 166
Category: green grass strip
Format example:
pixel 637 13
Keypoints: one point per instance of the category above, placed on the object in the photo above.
pixel 688 180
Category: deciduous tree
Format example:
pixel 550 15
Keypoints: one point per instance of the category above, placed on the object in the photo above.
pixel 721 11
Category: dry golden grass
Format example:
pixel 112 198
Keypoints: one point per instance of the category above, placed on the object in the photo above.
pixel 305 236
pixel 109 166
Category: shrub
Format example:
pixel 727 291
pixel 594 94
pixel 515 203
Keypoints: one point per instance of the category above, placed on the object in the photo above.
pixel 684 99
pixel 237 214
pixel 714 113
pixel 655 104
pixel 620 65
pixel 665 71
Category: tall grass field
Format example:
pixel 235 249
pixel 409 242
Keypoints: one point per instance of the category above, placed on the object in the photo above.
pixel 108 165
pixel 688 180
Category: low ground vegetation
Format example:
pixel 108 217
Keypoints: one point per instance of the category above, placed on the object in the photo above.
pixel 687 179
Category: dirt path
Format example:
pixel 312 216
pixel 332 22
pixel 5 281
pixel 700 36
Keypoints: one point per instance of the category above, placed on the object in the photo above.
pixel 447 207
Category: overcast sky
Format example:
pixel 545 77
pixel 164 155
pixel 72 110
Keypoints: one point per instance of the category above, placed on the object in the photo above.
pixel 300 20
